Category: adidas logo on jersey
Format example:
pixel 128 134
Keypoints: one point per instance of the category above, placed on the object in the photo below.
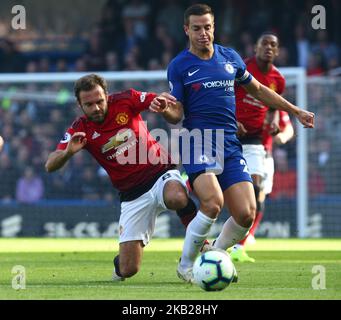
pixel 95 135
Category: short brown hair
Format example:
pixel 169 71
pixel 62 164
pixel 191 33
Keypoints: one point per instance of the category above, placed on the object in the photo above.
pixel 197 10
pixel 88 83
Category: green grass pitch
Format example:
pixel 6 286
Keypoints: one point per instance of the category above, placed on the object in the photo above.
pixel 81 269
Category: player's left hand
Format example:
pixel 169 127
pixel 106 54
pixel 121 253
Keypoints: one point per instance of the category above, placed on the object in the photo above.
pixel 307 118
pixel 162 102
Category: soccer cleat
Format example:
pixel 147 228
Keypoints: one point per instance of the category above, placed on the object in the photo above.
pixel 115 277
pixel 185 274
pixel 206 246
pixel 241 256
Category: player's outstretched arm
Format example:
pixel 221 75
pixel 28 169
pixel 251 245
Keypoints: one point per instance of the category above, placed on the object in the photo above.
pixel 273 100
pixel 58 158
pixel 166 104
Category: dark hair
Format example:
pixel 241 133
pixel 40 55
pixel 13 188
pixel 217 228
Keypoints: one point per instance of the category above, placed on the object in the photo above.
pixel 268 33
pixel 88 83
pixel 197 9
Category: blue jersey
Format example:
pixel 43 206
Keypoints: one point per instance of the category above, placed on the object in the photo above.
pixel 206 88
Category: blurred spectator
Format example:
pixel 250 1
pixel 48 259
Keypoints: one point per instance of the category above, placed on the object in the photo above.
pixel 284 177
pixel 88 185
pixel 315 65
pixel 174 26
pixel 11 60
pixel 9 176
pixel 94 54
pixel 30 187
pixel 300 48
pixel 137 12
pixel 327 49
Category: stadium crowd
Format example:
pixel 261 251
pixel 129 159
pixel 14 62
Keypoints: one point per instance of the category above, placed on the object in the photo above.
pixel 140 35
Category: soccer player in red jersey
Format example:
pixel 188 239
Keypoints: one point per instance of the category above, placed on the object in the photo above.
pixel 114 133
pixel 257 125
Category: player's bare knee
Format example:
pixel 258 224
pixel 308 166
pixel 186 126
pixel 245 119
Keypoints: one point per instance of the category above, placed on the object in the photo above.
pixel 175 196
pixel 212 206
pixel 249 216
pixel 177 199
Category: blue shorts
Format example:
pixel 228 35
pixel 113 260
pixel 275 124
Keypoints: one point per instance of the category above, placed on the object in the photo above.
pixel 228 164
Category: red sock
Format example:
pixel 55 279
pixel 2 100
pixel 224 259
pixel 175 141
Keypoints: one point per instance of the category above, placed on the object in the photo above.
pixel 185 220
pixel 259 216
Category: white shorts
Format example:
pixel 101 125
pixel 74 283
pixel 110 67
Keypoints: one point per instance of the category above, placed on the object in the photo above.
pixel 269 174
pixel 254 155
pixel 138 217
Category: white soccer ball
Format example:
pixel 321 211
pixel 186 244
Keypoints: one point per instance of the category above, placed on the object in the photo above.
pixel 213 270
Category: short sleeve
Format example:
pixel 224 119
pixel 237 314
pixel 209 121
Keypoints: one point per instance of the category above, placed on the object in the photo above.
pixel 176 87
pixel 141 100
pixel 65 140
pixel 76 126
pixel 284 119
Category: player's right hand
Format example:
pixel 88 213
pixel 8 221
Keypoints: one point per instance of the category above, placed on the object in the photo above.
pixel 162 102
pixel 76 143
pixel 307 118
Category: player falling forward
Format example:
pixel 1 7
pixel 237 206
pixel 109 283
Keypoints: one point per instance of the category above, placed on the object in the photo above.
pixel 257 125
pixel 110 128
pixel 202 79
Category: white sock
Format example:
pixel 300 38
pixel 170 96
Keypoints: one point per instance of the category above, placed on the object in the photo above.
pixel 231 234
pixel 196 233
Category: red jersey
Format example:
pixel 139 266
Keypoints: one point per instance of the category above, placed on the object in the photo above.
pixel 284 120
pixel 250 111
pixel 123 137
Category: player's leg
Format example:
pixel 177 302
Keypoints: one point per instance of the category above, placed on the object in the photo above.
pixel 258 182
pixel 255 158
pixel 240 202
pixel 128 262
pixel 239 198
pixel 210 197
pixel 175 196
pixel 136 226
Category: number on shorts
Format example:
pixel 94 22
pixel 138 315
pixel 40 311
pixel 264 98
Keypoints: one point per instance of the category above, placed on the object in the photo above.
pixel 243 163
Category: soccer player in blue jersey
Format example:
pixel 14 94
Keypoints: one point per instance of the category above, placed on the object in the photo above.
pixel 202 78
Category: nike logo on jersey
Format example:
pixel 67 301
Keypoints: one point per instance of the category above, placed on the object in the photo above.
pixel 95 135
pixel 191 73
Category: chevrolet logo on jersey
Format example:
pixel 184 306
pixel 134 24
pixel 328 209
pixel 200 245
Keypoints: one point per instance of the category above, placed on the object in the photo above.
pixel 115 141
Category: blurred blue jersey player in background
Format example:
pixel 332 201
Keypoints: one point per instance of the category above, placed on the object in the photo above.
pixel 201 79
